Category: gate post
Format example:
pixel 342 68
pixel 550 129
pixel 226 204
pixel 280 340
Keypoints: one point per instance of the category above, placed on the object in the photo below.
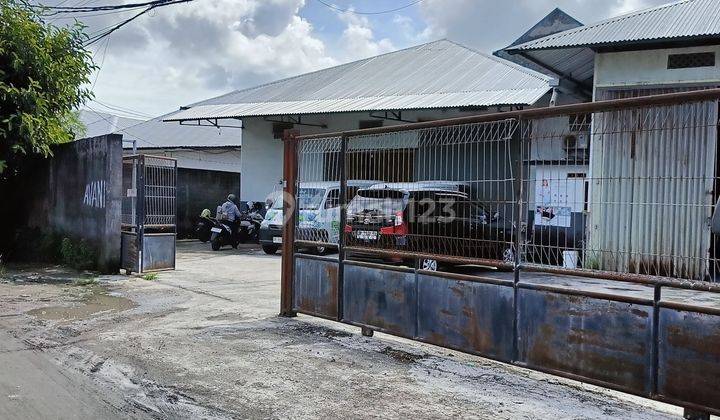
pixel 288 243
pixel 343 221
pixel 521 225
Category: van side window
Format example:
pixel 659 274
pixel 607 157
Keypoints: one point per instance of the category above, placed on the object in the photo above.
pixel 333 199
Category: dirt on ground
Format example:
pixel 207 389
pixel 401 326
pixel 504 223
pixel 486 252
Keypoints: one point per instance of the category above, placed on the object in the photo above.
pixel 205 341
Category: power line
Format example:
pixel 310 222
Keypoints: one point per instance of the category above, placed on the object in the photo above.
pixel 84 9
pixel 81 11
pixel 102 62
pixel 118 108
pixel 340 9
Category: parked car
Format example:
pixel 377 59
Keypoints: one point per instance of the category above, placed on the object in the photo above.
pixel 429 218
pixel 318 217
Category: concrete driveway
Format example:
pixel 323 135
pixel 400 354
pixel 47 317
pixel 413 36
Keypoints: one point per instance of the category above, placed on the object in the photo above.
pixel 204 341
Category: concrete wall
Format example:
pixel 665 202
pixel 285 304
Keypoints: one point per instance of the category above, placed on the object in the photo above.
pixel 649 68
pixel 77 194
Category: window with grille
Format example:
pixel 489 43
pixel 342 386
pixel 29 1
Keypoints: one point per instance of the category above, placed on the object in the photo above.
pixel 687 61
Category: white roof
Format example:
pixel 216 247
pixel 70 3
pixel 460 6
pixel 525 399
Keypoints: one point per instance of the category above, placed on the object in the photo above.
pixel 685 19
pixel 440 74
pixel 101 123
pixel 155 134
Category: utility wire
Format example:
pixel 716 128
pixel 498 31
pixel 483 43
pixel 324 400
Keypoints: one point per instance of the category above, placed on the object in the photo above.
pixel 118 108
pixel 154 5
pixel 340 9
pixel 82 9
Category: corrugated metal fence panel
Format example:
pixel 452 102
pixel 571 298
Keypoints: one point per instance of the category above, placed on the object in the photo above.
pixel 598 339
pixel 652 173
pixel 689 357
pixel 316 286
pixel 468 315
pixel 384 299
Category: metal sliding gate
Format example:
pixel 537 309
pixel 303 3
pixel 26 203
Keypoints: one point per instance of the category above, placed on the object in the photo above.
pixel 148 213
pixel 572 240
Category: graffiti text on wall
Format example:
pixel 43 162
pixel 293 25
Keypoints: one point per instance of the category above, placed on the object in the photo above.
pixel 95 194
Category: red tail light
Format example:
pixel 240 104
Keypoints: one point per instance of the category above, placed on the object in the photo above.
pixel 348 229
pixel 399 228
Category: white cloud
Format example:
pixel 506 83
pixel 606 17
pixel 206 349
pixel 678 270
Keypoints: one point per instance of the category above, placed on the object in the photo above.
pixel 491 24
pixel 188 52
pixel 358 39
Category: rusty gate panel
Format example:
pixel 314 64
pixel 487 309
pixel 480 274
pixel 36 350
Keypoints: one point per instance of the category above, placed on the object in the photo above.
pixel 383 298
pixel 316 286
pixel 605 339
pixel 689 347
pixel 467 315
pixel 158 251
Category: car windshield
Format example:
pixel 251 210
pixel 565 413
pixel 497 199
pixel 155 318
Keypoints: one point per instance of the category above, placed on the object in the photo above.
pixel 310 198
pixel 385 202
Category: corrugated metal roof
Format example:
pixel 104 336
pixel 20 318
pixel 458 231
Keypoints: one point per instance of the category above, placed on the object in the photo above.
pixel 155 134
pixel 679 20
pixel 101 123
pixel 439 74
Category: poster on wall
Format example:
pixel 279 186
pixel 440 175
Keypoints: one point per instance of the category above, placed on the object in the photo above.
pixel 558 194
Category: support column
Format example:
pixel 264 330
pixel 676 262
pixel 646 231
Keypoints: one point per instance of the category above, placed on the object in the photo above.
pixel 289 204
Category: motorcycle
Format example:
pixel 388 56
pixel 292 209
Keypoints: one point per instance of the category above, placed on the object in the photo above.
pixel 249 227
pixel 221 235
pixel 205 223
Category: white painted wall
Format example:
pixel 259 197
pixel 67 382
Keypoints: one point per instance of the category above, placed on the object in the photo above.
pixel 649 68
pixel 212 159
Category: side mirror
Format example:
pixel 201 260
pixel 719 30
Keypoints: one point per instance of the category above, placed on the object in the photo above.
pixel 715 221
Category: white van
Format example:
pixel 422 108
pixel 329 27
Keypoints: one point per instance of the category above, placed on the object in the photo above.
pixel 318 217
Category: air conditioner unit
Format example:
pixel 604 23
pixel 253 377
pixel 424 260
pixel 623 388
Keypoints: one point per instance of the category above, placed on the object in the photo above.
pixel 576 145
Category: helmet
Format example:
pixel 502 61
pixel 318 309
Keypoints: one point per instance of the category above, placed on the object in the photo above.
pixel 231 197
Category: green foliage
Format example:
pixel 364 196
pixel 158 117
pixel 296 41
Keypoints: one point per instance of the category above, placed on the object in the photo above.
pixel 77 254
pixel 150 276
pixel 86 281
pixel 44 74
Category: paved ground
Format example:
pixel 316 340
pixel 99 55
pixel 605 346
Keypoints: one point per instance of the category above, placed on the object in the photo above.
pixel 204 342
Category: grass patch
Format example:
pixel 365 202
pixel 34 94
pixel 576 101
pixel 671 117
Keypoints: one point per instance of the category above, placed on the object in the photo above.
pixel 150 276
pixel 86 281
pixel 77 254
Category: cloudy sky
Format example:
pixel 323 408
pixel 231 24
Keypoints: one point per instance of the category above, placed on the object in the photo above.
pixel 184 53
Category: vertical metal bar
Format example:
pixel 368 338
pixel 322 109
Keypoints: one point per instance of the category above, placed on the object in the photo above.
pixel 655 340
pixel 141 211
pixel 520 228
pixel 288 245
pixel 174 216
pixel 343 221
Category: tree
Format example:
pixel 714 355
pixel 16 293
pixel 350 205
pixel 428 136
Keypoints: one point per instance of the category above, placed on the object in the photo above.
pixel 44 78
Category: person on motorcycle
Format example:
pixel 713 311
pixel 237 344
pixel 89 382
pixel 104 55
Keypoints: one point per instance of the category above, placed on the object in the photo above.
pixel 231 213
